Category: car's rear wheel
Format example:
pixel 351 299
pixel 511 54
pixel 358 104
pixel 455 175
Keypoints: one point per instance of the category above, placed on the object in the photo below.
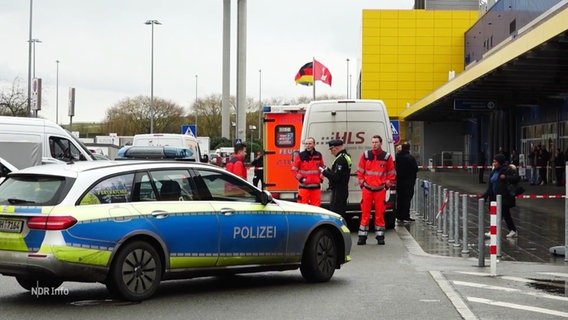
pixel 29 283
pixel 320 257
pixel 135 272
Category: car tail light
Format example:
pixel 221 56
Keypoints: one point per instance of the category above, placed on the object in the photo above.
pixel 51 223
pixel 275 195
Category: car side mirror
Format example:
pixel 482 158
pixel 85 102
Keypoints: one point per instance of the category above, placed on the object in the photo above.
pixel 265 197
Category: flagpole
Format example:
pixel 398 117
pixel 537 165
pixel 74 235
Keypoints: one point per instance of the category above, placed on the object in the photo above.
pixel 314 77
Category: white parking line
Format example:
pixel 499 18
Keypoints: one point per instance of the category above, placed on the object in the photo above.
pixel 471 273
pixel 555 274
pixel 518 306
pixel 454 297
pixel 497 288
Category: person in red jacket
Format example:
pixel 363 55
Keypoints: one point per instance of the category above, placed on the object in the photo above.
pixel 376 173
pixel 306 169
pixel 236 163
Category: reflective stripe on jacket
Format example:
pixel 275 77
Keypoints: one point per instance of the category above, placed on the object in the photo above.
pixel 306 165
pixel 376 170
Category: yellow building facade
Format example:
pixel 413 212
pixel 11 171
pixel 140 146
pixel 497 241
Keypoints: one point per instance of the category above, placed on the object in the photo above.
pixel 407 54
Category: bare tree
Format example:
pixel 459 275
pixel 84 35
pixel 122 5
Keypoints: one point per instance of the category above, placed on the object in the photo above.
pixel 13 101
pixel 208 112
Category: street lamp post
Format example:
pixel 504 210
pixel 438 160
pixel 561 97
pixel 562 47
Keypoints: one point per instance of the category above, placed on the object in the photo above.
pixel 152 23
pixel 57 93
pixel 259 100
pixel 347 96
pixel 196 79
pixel 34 41
pixel 30 61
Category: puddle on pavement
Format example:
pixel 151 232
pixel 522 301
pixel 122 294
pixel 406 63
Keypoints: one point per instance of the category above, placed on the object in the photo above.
pixel 556 287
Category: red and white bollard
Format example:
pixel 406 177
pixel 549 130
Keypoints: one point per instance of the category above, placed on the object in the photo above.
pixel 493 237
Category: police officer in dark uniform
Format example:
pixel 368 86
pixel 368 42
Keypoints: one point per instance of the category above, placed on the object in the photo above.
pixel 338 177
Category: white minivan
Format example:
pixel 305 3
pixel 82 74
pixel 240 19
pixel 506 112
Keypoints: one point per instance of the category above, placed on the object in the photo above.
pixel 26 142
pixel 354 122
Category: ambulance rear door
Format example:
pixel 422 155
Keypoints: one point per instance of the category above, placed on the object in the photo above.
pixel 282 133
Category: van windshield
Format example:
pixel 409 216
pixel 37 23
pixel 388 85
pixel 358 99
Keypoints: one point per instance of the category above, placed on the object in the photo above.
pixel 81 145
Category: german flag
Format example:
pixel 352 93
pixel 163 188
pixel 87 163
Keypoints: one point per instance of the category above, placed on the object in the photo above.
pixel 305 75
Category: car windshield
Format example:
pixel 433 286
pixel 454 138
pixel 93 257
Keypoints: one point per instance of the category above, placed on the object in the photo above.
pixel 36 190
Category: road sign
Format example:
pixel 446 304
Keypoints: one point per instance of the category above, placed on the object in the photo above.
pixel 395 128
pixel 189 129
pixel 238 141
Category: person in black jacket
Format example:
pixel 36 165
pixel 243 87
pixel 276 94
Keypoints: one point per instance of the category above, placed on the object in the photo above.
pixel 499 180
pixel 258 164
pixel 338 177
pixel 406 169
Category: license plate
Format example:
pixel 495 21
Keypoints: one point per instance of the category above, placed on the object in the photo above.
pixel 14 226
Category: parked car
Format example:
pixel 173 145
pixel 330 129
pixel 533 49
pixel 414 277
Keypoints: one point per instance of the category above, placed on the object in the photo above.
pixel 156 153
pixel 132 224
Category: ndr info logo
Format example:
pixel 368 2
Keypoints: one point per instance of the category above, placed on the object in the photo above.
pixel 48 291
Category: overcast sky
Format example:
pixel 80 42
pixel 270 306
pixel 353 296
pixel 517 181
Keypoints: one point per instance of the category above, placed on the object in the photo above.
pixel 104 48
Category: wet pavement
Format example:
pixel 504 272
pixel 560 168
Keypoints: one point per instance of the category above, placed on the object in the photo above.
pixel 540 222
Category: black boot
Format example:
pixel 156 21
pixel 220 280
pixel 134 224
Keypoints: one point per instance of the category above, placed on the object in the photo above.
pixel 362 241
pixel 380 240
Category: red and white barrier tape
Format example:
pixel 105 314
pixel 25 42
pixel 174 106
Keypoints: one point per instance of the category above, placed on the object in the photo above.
pixel 443 205
pixel 484 167
pixel 528 196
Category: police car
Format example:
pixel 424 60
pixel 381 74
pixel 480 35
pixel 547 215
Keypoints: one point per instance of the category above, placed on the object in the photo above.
pixel 133 224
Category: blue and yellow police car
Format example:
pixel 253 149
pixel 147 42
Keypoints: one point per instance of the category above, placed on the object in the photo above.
pixel 133 224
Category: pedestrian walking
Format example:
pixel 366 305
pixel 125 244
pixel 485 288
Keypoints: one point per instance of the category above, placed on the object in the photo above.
pixel 258 164
pixel 306 168
pixel 338 177
pixel 500 180
pixel 542 158
pixel 376 173
pixel 406 169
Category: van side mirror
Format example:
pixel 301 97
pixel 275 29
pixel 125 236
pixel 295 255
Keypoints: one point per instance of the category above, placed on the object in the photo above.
pixel 205 158
pixel 4 171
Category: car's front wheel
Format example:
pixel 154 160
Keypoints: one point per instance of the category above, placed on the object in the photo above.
pixel 320 257
pixel 136 272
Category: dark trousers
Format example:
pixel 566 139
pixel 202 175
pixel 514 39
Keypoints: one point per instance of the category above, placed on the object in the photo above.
pixel 404 194
pixel 338 202
pixel 506 215
pixel 258 177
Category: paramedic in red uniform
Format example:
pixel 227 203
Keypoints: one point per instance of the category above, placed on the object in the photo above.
pixel 376 173
pixel 306 169
pixel 236 164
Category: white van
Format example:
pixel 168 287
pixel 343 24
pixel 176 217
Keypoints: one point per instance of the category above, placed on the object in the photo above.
pixel 171 139
pixel 26 142
pixel 354 122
